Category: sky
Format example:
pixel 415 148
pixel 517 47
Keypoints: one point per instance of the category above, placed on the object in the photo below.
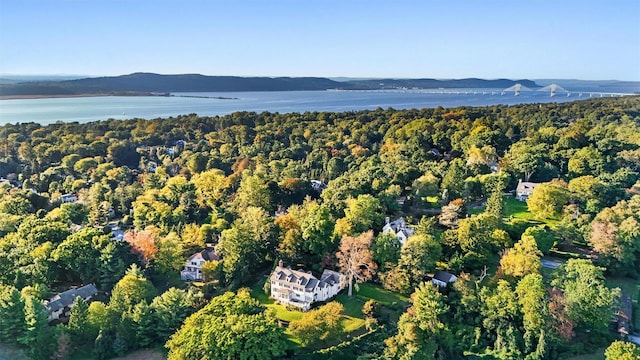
pixel 537 39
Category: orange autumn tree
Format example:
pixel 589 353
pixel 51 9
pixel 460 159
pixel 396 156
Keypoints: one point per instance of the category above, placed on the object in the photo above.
pixel 143 242
pixel 355 259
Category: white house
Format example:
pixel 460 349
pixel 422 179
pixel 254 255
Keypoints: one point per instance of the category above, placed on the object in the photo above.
pixel 193 268
pixel 318 185
pixel 301 289
pixel 524 189
pixel 443 278
pixel 399 228
pixel 68 198
pixel 60 305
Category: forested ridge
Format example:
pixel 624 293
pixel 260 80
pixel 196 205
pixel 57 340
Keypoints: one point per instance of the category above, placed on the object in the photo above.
pixel 242 183
pixel 142 83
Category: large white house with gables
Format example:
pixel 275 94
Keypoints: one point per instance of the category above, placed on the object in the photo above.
pixel 301 289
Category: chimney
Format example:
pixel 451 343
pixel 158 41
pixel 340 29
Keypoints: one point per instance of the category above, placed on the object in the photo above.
pixel 280 263
pixel 386 220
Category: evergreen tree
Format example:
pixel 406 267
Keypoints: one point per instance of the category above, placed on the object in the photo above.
pixel 38 337
pixel 144 324
pixel 78 324
pixel 11 314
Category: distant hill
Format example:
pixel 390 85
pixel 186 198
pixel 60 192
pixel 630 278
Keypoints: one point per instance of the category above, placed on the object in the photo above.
pixel 141 83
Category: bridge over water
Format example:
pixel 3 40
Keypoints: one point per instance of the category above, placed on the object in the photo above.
pixel 555 89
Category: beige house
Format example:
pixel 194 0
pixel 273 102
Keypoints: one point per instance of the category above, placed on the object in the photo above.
pixel 301 289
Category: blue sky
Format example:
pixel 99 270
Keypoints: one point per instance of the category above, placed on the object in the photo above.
pixel 591 40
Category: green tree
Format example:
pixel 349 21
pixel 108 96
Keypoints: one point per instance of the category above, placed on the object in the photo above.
pixel 500 309
pixel 590 303
pixel 169 259
pixel 421 330
pixel 12 314
pixel 113 263
pixel 144 324
pixel 547 200
pixel 78 324
pixel 317 229
pixel 253 192
pixel 38 337
pixel 132 289
pixel 418 257
pixel 97 318
pixel 453 180
pixel 532 297
pixel 586 161
pixel 524 159
pixel 77 254
pixel 170 309
pixel 622 350
pixel 522 259
pixel 230 326
pixel 386 250
pixel 615 237
pixel 360 215
pixel 246 244
pixel 545 238
pixel 318 325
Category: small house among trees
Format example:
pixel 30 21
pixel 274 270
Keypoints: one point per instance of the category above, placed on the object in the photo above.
pixel 524 189
pixel 399 228
pixel 443 278
pixel 193 268
pixel 301 289
pixel 60 305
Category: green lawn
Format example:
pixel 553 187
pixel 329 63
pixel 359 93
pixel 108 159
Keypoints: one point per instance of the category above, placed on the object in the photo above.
pixel 281 311
pixel 352 319
pixel 516 208
pixel 382 296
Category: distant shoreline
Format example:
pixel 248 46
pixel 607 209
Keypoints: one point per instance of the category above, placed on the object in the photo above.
pixel 34 97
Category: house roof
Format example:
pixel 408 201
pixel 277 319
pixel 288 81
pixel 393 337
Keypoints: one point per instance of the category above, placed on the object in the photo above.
pixel 444 276
pixel 525 187
pixel 330 277
pixel 306 279
pixel 207 254
pixel 297 277
pixel 67 298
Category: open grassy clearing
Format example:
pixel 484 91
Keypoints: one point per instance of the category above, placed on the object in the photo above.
pixel 352 321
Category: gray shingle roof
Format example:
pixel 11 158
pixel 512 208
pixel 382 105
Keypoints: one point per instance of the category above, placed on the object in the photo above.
pixel 67 298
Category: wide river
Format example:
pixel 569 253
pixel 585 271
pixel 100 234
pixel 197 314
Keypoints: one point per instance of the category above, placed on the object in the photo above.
pixel 85 109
